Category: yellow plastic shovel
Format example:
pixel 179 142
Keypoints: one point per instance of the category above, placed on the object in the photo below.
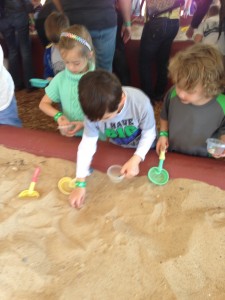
pixel 31 192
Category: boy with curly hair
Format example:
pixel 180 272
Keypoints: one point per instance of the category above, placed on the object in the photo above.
pixel 194 109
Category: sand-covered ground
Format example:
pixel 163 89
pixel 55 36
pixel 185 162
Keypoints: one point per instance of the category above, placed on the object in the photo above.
pixel 131 240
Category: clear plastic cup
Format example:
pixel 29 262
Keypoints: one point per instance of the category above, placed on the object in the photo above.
pixel 114 173
pixel 64 129
pixel 215 146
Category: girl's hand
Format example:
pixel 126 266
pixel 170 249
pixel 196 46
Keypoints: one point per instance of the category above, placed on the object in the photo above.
pixel 131 167
pixel 77 196
pixel 63 121
pixel 162 144
pixel 78 125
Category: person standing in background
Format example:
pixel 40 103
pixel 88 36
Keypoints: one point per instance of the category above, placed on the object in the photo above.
pixel 201 11
pixel 8 105
pixel 157 37
pixel 55 23
pixel 46 10
pixel 208 30
pixel 99 17
pixel 14 26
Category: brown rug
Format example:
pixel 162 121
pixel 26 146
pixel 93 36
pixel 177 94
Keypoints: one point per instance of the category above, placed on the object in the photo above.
pixel 32 117
pixel 29 112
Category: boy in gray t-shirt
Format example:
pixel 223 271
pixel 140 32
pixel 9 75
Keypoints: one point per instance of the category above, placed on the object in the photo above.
pixel 124 115
pixel 194 109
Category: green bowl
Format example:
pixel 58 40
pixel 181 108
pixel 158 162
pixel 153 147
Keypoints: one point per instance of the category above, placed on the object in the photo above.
pixel 39 83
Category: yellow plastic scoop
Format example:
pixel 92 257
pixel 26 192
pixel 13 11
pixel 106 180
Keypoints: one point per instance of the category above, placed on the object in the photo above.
pixel 66 185
pixel 31 193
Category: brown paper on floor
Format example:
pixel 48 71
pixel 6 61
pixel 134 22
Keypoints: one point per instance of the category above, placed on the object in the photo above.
pixel 131 240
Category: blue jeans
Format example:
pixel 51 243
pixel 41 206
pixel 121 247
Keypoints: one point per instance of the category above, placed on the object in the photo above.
pixel 9 116
pixel 104 42
pixel 156 41
pixel 15 29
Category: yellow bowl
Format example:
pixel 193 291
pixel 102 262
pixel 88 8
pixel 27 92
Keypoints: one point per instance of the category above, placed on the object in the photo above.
pixel 66 185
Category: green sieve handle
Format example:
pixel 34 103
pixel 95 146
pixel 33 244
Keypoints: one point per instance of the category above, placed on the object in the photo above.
pixel 161 160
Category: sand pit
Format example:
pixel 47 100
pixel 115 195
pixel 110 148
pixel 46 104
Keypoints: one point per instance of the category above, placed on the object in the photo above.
pixel 131 240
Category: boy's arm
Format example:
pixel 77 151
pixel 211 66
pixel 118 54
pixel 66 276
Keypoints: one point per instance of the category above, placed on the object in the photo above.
pixel 148 127
pixel 145 143
pixel 148 135
pixel 85 153
pixel 131 167
pixel 163 140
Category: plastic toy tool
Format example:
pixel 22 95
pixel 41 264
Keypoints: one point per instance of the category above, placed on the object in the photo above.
pixel 158 175
pixel 31 193
pixel 39 82
pixel 66 185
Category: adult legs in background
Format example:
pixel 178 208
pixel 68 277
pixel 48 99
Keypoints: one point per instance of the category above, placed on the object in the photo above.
pixel 39 26
pixel 163 56
pixel 17 38
pixel 156 41
pixel 104 42
pixel 120 65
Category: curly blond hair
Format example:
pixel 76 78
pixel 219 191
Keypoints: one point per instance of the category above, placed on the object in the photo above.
pixel 198 64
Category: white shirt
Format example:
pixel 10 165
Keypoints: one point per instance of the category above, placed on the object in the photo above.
pixel 6 84
pixel 209 29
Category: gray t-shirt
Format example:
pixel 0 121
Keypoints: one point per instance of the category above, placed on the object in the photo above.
pixel 190 125
pixel 133 127
pixel 57 62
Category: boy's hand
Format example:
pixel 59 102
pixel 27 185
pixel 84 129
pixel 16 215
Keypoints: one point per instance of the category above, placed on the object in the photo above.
pixel 162 143
pixel 77 197
pixel 219 156
pixel 131 167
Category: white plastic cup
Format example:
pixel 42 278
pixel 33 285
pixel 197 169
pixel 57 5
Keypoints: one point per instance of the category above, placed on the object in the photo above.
pixel 64 129
pixel 215 146
pixel 114 173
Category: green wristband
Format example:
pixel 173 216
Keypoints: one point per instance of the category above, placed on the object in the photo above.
pixel 164 133
pixel 127 24
pixel 81 184
pixel 57 116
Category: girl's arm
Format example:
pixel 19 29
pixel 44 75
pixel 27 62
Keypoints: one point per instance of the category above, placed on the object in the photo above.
pixel 46 106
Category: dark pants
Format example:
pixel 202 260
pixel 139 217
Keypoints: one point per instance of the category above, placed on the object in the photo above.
pixel 156 41
pixel 15 29
pixel 120 65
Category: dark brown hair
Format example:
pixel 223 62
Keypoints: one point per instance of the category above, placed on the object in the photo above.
pixel 100 92
pixel 55 23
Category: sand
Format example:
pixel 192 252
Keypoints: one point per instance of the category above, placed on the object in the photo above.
pixel 131 240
